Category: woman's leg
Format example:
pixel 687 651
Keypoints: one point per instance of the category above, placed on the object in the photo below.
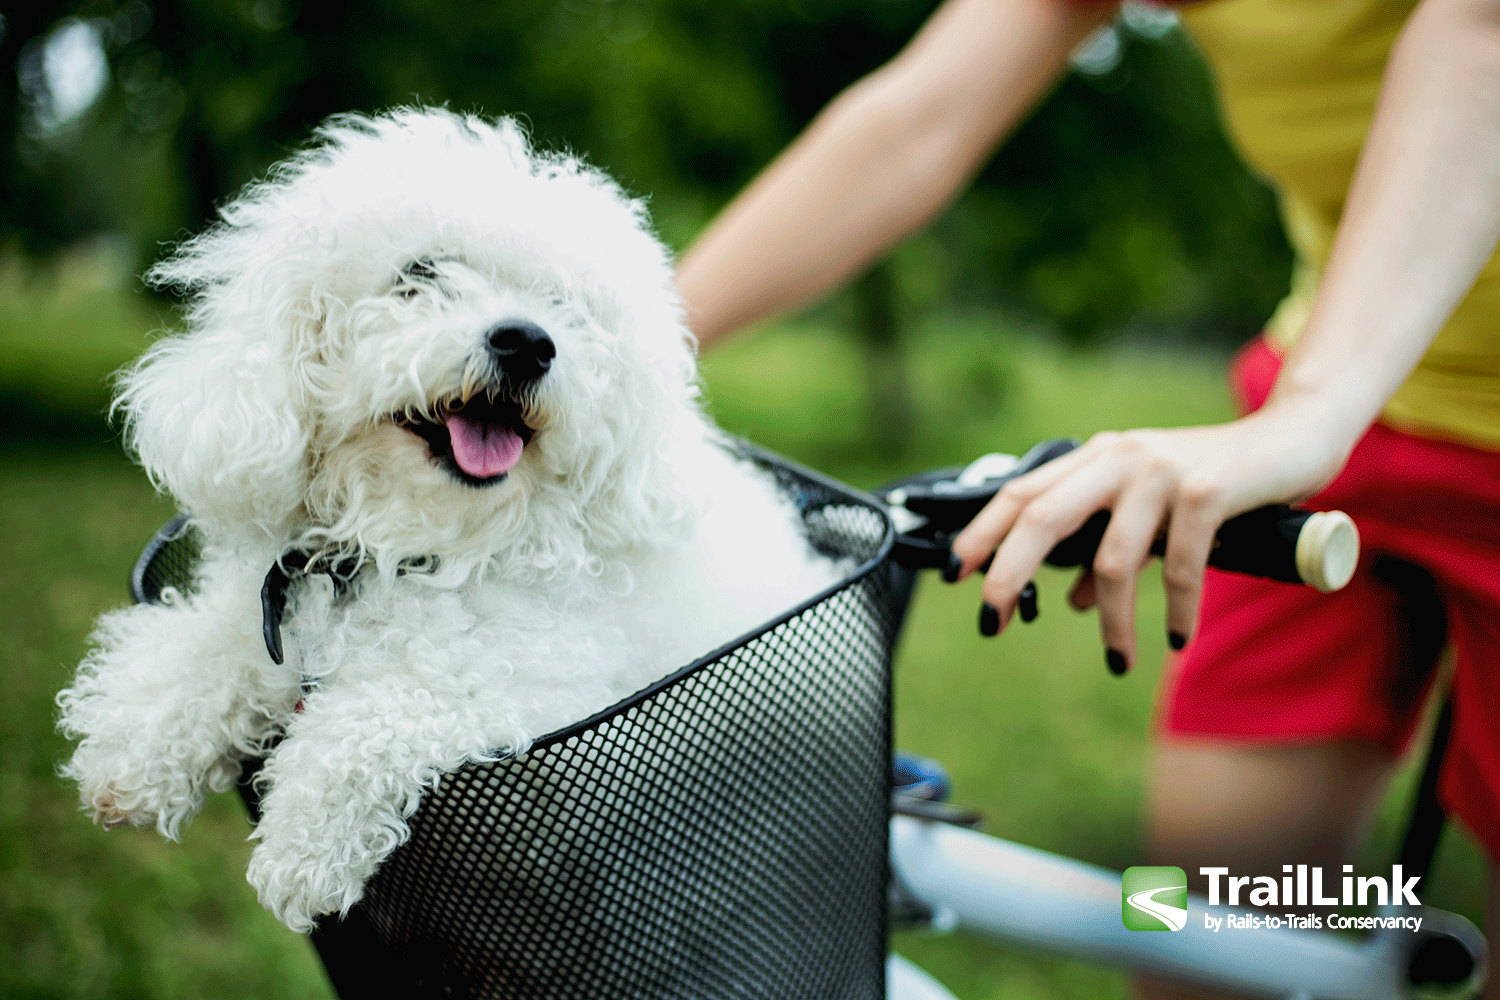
pixel 1253 809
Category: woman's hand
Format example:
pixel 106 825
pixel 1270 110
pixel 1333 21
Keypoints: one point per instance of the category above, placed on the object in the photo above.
pixel 1182 483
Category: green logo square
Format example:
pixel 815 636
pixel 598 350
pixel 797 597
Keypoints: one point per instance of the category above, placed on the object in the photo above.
pixel 1153 898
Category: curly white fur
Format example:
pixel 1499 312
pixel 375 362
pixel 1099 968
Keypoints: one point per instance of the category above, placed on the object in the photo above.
pixel 344 298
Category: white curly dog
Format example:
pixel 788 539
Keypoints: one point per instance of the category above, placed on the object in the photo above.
pixel 454 369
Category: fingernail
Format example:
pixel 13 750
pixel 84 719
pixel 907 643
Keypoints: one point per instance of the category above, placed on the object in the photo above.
pixel 1026 602
pixel 1176 640
pixel 1116 661
pixel 955 566
pixel 989 620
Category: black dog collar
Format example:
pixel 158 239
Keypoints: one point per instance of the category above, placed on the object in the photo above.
pixel 292 565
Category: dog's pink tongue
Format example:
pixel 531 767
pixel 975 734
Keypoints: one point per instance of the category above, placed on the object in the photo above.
pixel 483 450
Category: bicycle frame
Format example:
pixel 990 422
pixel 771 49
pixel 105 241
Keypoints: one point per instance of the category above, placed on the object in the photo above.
pixel 1022 896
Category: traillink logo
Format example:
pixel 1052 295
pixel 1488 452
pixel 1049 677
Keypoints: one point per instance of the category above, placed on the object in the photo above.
pixel 1153 898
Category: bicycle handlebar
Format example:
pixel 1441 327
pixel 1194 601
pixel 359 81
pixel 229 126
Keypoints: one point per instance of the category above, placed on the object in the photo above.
pixel 1317 548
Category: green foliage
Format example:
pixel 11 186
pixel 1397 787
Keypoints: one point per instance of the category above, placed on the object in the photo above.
pixel 681 98
pixel 1118 205
pixel 1122 203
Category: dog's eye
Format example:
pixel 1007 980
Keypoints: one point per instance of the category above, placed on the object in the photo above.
pixel 421 270
pixel 415 276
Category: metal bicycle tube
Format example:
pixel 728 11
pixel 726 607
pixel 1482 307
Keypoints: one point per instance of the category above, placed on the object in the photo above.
pixel 1024 896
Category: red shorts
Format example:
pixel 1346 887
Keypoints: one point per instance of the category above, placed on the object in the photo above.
pixel 1281 663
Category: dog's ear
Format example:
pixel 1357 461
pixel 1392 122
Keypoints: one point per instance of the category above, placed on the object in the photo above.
pixel 214 417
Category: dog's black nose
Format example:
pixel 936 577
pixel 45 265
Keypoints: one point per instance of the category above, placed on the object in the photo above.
pixel 524 350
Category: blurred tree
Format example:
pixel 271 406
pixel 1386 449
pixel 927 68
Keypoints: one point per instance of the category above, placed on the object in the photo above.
pixel 1122 202
pixel 892 415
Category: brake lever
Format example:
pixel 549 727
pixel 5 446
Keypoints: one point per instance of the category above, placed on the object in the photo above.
pixel 932 507
pixel 950 498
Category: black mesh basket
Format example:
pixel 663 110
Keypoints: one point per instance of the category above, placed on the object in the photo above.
pixel 721 834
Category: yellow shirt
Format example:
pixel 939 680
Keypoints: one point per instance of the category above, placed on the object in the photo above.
pixel 1298 81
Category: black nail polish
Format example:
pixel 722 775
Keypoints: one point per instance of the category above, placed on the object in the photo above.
pixel 989 620
pixel 1116 661
pixel 1026 602
pixel 954 567
pixel 1176 640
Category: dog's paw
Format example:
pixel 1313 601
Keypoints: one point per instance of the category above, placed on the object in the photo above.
pixel 119 789
pixel 125 799
pixel 298 887
pixel 107 812
pixel 112 807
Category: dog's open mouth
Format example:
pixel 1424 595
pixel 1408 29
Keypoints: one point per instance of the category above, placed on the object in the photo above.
pixel 479 441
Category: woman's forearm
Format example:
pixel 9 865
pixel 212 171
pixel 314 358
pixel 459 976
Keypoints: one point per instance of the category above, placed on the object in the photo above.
pixel 1421 220
pixel 881 160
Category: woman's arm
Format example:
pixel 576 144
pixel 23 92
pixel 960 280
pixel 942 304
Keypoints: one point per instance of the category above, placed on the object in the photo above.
pixel 882 159
pixel 1421 220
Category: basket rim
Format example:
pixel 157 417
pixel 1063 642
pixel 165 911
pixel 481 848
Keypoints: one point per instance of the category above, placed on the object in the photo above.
pixel 165 535
pixel 651 690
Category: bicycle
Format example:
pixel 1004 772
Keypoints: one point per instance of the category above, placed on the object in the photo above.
pixel 660 849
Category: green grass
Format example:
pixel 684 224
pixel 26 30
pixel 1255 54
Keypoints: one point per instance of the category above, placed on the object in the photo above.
pixel 1033 729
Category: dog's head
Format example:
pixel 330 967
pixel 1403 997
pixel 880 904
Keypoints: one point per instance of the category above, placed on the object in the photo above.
pixel 419 337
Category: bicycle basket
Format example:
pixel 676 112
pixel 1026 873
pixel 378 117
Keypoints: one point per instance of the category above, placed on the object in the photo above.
pixel 720 834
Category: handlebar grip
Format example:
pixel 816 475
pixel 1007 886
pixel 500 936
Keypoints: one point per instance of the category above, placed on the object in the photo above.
pixel 1316 548
pixel 1327 550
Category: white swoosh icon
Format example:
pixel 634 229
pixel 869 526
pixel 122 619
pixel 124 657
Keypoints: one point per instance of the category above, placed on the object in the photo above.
pixel 1173 916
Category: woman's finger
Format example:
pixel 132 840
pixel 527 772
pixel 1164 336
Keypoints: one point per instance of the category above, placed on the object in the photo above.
pixel 1040 525
pixel 1133 526
pixel 981 537
pixel 1190 538
pixel 1081 595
